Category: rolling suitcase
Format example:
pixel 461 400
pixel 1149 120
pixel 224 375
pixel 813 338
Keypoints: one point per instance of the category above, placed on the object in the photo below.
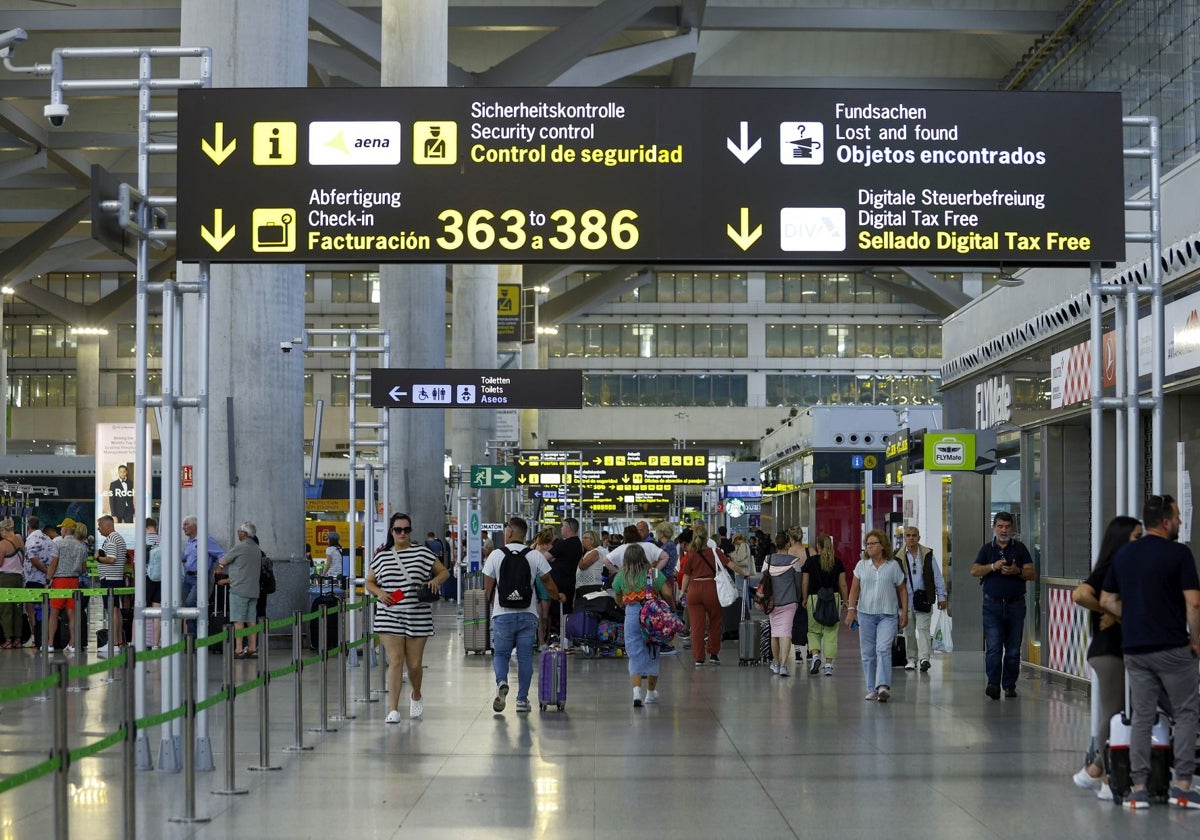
pixel 552 674
pixel 476 629
pixel 218 616
pixel 748 630
pixel 323 599
pixel 1162 755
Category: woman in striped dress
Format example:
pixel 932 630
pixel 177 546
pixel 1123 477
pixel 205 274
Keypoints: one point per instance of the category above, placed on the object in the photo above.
pixel 403 623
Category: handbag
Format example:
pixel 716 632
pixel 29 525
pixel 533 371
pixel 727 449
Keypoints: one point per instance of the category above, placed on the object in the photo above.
pixel 762 595
pixel 266 578
pixel 726 591
pixel 921 602
pixel 425 595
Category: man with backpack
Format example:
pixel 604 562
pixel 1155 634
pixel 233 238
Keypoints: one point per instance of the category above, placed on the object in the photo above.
pixel 508 583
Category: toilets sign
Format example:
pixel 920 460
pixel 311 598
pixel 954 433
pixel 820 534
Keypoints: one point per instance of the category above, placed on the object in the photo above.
pixel 569 175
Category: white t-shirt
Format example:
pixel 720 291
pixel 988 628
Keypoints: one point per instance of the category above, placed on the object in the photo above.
pixel 537 567
pixel 653 554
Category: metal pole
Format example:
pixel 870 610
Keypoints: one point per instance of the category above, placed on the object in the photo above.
pixel 202 565
pixel 264 707
pixel 1096 415
pixel 189 735
pixel 129 757
pixel 1120 479
pixel 323 681
pixel 47 644
pixel 343 651
pixel 231 788
pixel 1133 412
pixel 1158 366
pixel 61 751
pixel 298 685
pixel 80 633
pixel 369 651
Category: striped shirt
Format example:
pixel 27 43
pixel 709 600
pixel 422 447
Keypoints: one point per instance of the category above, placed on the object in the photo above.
pixel 112 565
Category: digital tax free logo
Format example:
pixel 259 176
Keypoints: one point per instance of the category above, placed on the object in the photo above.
pixel 354 143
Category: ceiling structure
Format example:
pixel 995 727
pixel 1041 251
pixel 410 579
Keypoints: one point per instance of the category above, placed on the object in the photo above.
pixel 45 171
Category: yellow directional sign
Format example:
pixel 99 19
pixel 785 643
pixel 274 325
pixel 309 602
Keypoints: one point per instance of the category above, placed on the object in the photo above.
pixel 218 238
pixel 744 237
pixel 218 151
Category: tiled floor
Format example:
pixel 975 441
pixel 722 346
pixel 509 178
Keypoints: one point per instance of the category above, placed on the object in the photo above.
pixel 730 752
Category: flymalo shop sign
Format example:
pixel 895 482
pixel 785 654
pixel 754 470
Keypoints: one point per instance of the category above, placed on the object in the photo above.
pixel 631 175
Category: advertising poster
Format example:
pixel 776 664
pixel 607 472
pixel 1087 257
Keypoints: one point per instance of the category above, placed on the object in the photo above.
pixel 115 492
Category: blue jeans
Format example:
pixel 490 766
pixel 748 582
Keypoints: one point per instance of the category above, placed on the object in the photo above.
pixel 1003 624
pixel 875 648
pixel 519 629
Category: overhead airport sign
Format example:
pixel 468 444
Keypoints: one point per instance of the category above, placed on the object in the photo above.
pixel 572 175
pixel 446 388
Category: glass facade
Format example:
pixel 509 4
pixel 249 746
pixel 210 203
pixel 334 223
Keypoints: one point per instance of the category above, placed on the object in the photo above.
pixel 649 341
pixel 843 341
pixel 664 389
pixel 41 390
pixel 1146 50
pixel 851 389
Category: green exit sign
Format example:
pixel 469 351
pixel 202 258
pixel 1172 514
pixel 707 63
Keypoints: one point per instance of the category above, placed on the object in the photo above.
pixel 490 476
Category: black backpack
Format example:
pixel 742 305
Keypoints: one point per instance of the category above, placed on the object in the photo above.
pixel 825 612
pixel 514 584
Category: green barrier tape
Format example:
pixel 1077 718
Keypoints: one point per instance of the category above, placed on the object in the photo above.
pixel 281 623
pixel 356 644
pixel 357 605
pixel 250 686
pixel 152 655
pixel 220 697
pixel 281 672
pixel 252 630
pixel 33 596
pixel 335 610
pixel 315 614
pixel 76 671
pixel 170 650
pixel 159 719
pixel 98 747
pixel 101 591
pixel 312 660
pixel 7 695
pixel 26 776
pixel 209 641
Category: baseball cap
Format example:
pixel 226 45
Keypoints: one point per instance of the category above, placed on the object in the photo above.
pixel 66 523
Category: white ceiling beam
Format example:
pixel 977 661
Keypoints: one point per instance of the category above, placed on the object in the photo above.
pixel 608 67
pixel 342 63
pixel 348 28
pixel 608 286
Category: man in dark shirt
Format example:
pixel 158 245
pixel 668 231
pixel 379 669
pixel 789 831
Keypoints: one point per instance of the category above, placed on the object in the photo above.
pixel 564 563
pixel 1153 588
pixel 1003 565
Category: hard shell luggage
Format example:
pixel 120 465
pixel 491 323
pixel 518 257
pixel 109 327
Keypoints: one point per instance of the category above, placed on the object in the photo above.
pixel 732 617
pixel 324 598
pixel 748 652
pixel 1162 755
pixel 218 616
pixel 764 643
pixel 552 675
pixel 476 628
pixel 582 626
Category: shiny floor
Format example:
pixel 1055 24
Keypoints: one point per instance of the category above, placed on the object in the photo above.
pixel 730 752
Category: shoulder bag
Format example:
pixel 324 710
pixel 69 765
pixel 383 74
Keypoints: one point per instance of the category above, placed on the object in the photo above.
pixel 920 597
pixel 425 595
pixel 726 591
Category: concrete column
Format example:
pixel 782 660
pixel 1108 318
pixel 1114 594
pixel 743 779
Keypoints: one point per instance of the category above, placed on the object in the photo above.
pixel 256 43
pixel 412 298
pixel 474 320
pixel 87 392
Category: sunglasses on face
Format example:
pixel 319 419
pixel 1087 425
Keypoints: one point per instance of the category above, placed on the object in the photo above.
pixel 400 529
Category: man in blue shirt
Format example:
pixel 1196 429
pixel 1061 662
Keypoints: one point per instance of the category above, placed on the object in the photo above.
pixel 1003 566
pixel 190 549
pixel 1153 589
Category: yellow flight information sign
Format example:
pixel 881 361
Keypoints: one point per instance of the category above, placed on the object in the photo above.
pixel 508 175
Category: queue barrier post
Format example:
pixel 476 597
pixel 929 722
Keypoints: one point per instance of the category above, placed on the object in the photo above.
pixel 61 751
pixel 129 746
pixel 231 788
pixel 80 633
pixel 189 735
pixel 264 704
pixel 46 646
pixel 368 652
pixel 298 685
pixel 343 656
pixel 323 681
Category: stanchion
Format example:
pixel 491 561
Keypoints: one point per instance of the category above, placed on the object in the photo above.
pixel 109 606
pixel 298 686
pixel 231 788
pixel 367 651
pixel 383 666
pixel 129 750
pixel 77 642
pixel 343 650
pixel 62 829
pixel 189 735
pixel 45 647
pixel 323 680
pixel 264 705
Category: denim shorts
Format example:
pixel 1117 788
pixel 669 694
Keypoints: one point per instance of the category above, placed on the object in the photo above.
pixel 242 608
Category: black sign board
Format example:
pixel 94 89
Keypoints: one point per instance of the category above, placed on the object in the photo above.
pixel 570 175
pixel 446 388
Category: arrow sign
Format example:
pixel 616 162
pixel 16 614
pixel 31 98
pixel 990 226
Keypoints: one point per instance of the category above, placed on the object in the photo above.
pixel 745 237
pixel 396 394
pixel 216 238
pixel 743 152
pixel 219 151
pixel 483 475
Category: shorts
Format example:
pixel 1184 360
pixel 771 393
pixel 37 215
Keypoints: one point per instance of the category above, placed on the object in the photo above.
pixel 63 583
pixel 242 608
pixel 111 583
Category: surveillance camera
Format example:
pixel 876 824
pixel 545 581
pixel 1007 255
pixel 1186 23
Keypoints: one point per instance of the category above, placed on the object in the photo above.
pixel 10 39
pixel 57 113
pixel 285 346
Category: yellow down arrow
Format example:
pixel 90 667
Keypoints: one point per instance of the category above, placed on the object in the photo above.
pixel 216 238
pixel 745 237
pixel 219 151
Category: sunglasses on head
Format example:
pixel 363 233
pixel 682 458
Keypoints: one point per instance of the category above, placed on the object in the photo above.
pixel 401 529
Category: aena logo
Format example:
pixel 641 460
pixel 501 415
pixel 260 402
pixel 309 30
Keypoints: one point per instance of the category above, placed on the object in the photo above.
pixel 362 143
pixel 949 453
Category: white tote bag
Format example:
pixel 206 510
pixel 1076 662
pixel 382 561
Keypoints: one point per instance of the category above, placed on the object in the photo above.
pixel 726 590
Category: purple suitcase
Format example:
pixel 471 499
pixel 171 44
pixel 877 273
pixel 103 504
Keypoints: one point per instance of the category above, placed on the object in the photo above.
pixel 552 676
pixel 582 626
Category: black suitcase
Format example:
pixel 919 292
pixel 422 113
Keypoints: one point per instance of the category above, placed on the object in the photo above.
pixel 218 616
pixel 732 616
pixel 899 653
pixel 324 599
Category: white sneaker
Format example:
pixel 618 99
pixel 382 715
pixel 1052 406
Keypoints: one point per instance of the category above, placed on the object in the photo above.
pixel 501 695
pixel 783 671
pixel 651 696
pixel 774 667
pixel 1104 794
pixel 1084 780
pixel 415 708
pixel 392 717
pixel 637 697
pixel 829 669
pixel 910 665
pixel 69 649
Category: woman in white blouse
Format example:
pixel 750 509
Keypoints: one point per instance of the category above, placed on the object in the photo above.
pixel 877 594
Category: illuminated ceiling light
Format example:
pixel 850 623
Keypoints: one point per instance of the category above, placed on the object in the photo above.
pixel 547 330
pixel 88 331
pixel 7 290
